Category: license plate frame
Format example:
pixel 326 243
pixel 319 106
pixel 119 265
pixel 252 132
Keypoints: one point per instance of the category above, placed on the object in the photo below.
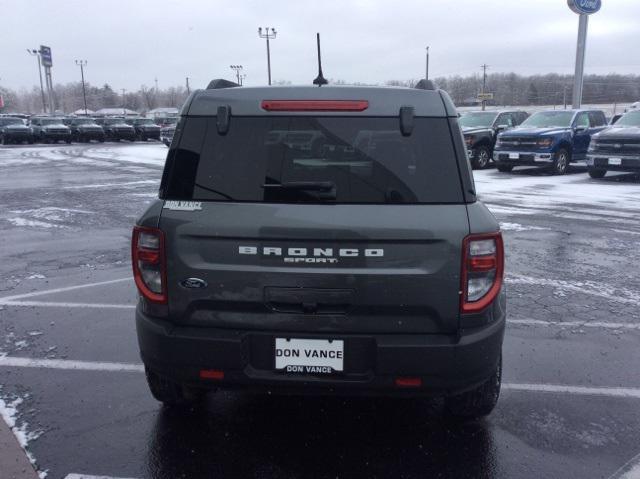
pixel 514 156
pixel 614 161
pixel 309 356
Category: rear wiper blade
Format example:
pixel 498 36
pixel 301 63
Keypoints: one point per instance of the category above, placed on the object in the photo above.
pixel 303 185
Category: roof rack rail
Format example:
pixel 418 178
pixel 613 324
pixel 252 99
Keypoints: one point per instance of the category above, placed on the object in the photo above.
pixel 221 83
pixel 425 85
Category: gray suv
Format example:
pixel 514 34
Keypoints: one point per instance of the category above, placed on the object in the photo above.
pixel 320 241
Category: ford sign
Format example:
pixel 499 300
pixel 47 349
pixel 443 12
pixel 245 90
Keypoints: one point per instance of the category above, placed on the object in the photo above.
pixel 586 7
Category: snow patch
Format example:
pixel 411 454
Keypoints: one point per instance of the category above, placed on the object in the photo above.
pixel 36 276
pixel 10 415
pixel 32 223
pixel 519 227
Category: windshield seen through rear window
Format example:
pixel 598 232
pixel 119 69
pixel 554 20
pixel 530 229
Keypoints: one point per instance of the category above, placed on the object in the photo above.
pixel 307 159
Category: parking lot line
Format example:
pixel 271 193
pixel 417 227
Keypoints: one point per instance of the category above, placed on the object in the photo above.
pixel 575 324
pixel 67 305
pixel 71 365
pixel 89 476
pixel 630 470
pixel 63 290
pixel 68 364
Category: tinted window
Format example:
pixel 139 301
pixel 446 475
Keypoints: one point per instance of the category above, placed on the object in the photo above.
pixel 504 119
pixel 597 118
pixel 582 120
pixel 477 119
pixel 307 159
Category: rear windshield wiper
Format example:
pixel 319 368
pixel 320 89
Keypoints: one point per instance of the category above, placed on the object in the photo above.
pixel 211 190
pixel 303 185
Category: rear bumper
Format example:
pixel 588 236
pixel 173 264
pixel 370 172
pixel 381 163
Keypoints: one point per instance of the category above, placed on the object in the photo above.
pixel 445 364
pixel 528 158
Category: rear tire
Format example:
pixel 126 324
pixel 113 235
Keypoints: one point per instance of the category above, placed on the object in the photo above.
pixel 561 162
pixel 170 393
pixel 505 168
pixel 483 157
pixel 597 173
pixel 478 402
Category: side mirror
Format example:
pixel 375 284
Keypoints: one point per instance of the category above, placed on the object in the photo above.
pixel 502 127
pixel 580 129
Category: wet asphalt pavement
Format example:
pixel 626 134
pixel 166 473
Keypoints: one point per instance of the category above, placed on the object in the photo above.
pixel 570 406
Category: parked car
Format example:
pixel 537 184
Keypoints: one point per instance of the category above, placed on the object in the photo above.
pixel 85 129
pixel 166 134
pixel 364 264
pixel 145 128
pixel 15 130
pixel 480 130
pixel 617 148
pixel 550 139
pixel 48 129
pixel 116 129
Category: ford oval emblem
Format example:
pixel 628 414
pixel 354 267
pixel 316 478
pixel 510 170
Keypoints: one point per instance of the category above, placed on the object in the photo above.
pixel 586 7
pixel 193 283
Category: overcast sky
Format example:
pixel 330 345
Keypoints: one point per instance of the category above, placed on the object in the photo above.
pixel 128 43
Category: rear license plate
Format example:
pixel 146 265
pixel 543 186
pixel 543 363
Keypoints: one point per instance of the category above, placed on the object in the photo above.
pixel 615 161
pixel 514 156
pixel 309 356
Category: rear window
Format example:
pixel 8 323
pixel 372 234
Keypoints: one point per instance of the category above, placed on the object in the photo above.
pixel 314 159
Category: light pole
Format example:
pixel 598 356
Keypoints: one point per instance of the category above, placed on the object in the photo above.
pixel 188 89
pixel 36 53
pixel 268 35
pixel 124 109
pixel 427 75
pixel 242 77
pixel 82 64
pixel 237 69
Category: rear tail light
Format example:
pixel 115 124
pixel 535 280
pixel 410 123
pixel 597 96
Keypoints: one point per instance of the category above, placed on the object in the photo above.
pixel 315 105
pixel 482 271
pixel 149 267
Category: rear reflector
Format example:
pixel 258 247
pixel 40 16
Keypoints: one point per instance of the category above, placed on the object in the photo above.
pixel 315 105
pixel 215 374
pixel 408 382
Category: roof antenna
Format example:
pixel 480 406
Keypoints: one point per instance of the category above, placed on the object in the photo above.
pixel 320 80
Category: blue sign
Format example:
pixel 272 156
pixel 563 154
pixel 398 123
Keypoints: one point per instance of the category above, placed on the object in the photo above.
pixel 586 7
pixel 45 56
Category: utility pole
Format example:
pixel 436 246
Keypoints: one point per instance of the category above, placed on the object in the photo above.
pixel 36 53
pixel 237 69
pixel 427 75
pixel 484 84
pixel 564 91
pixel 268 35
pixel 188 89
pixel 124 109
pixel 82 64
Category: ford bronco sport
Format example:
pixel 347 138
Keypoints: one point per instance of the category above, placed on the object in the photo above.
pixel 320 241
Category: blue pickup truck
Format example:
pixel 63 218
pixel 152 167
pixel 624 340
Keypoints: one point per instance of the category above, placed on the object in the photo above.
pixel 550 139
